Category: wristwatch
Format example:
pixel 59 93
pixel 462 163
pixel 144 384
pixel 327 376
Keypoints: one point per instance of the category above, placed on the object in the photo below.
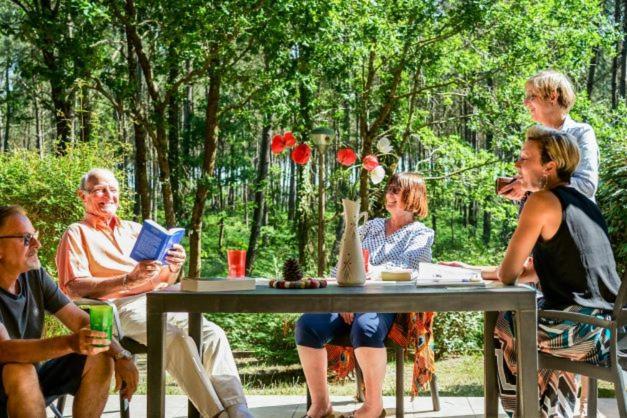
pixel 124 354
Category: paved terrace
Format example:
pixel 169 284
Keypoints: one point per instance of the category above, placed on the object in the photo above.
pixel 269 406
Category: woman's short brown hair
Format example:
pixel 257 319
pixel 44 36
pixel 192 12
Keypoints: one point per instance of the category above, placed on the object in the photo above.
pixel 556 146
pixel 547 82
pixel 7 211
pixel 413 191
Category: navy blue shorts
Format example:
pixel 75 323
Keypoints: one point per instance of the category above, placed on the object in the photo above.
pixel 60 376
pixel 367 330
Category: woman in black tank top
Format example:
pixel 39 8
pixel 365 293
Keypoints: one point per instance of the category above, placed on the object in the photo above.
pixel 572 260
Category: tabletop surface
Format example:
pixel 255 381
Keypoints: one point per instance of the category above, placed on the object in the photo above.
pixel 374 296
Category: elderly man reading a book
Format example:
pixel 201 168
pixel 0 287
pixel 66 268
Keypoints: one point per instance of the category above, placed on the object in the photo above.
pixel 93 260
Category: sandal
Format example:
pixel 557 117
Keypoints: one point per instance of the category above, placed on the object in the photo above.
pixel 328 414
pixel 352 414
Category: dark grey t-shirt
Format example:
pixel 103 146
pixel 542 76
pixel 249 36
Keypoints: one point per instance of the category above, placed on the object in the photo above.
pixel 23 314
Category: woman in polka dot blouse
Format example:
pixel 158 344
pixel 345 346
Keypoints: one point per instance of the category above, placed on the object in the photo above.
pixel 397 241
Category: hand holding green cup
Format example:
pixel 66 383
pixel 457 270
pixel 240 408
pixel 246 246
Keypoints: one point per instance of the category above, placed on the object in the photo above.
pixel 101 319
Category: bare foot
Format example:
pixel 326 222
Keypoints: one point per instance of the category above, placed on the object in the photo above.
pixel 318 411
pixel 369 411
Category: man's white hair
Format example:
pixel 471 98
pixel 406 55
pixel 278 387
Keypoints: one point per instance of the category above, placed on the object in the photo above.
pixel 94 172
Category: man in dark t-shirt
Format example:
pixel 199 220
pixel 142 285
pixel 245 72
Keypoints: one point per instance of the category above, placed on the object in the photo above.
pixel 34 371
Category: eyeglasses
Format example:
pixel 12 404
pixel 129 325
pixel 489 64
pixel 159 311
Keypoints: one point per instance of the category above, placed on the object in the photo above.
pixel 99 191
pixel 393 188
pixel 26 238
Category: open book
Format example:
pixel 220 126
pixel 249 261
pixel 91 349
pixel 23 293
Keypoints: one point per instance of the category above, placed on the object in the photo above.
pixel 154 241
pixel 430 274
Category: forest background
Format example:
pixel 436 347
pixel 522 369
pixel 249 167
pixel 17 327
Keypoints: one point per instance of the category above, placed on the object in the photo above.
pixel 182 100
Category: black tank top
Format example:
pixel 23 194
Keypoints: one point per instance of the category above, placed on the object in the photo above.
pixel 576 266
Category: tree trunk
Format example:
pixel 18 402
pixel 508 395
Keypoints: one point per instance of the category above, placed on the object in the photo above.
pixel 615 63
pixel 302 207
pixel 154 182
pixel 623 66
pixel 202 188
pixel 158 110
pixel 141 170
pixel 263 163
pixel 85 115
pixel 173 138
pixel 594 61
pixel 487 226
pixel 291 200
pixel 245 198
pixel 38 128
pixel 473 210
pixel 8 110
pixel 143 202
pixel 221 235
pixel 62 103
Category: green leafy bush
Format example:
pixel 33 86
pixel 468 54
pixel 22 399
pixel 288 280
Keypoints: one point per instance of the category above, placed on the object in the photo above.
pixel 610 128
pixel 457 333
pixel 46 188
pixel 270 337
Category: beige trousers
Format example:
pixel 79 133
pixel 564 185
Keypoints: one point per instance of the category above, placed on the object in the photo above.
pixel 211 383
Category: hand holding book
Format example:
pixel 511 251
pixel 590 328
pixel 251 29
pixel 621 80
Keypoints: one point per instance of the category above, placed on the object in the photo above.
pixel 157 243
pixel 175 258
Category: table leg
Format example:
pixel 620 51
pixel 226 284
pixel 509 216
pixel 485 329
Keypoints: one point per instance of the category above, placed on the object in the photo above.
pixel 491 399
pixel 194 322
pixel 527 347
pixel 156 365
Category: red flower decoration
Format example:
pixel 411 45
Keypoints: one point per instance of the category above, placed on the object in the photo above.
pixel 301 154
pixel 346 156
pixel 278 144
pixel 289 139
pixel 370 162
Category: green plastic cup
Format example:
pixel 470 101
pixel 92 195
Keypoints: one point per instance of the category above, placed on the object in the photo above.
pixel 101 319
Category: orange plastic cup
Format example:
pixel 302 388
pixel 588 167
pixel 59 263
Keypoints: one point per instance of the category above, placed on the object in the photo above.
pixel 236 260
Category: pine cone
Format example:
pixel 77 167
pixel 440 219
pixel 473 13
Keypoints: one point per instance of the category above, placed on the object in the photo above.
pixel 291 270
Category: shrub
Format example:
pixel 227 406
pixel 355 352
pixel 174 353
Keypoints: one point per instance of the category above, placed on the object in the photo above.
pixel 457 333
pixel 612 198
pixel 270 337
pixel 46 188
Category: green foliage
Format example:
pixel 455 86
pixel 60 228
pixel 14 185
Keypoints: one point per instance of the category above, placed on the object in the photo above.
pixel 612 193
pixel 270 337
pixel 46 188
pixel 457 332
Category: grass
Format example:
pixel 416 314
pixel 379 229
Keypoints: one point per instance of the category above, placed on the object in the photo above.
pixel 457 376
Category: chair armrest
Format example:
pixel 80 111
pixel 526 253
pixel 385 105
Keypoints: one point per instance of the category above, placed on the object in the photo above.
pixel 116 316
pixel 575 317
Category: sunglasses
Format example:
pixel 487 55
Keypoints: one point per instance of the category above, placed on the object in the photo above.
pixel 26 238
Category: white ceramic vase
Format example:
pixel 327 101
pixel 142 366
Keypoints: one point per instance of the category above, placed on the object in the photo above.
pixel 351 271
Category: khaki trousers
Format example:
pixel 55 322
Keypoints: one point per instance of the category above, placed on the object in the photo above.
pixel 211 383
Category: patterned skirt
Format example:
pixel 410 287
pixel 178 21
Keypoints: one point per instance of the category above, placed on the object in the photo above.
pixel 558 389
